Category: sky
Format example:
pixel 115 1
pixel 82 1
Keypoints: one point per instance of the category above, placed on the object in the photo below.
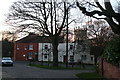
pixel 4 9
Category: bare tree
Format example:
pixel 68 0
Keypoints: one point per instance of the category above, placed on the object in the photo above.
pixel 48 17
pixel 112 17
pixel 100 33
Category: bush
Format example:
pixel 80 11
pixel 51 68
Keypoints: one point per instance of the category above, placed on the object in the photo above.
pixel 96 68
pixel 112 51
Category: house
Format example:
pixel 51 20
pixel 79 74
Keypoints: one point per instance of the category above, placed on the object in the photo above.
pixel 78 51
pixel 26 48
pixel 45 53
pixel 40 48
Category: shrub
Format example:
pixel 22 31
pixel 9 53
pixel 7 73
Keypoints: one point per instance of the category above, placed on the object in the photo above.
pixel 112 51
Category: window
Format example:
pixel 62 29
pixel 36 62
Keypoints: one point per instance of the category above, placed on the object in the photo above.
pixel 18 47
pixel 46 46
pixel 91 58
pixel 29 55
pixel 45 56
pixel 25 47
pixel 71 58
pixel 71 46
pixel 30 47
pixel 84 57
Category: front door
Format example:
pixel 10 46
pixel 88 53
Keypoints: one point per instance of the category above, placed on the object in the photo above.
pixel 65 59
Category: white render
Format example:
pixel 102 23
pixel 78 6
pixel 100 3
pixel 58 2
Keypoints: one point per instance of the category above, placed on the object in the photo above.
pixel 78 53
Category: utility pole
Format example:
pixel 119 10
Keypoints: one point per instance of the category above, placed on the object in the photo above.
pixel 67 41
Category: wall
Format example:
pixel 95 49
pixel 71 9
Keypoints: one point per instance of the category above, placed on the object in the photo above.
pixel 109 70
pixel 62 53
pixel 21 54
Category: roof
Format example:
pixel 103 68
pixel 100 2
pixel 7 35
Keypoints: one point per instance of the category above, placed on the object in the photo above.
pixel 34 38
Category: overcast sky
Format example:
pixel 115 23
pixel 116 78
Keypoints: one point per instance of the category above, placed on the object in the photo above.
pixel 4 9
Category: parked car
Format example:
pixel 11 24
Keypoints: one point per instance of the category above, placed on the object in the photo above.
pixel 7 61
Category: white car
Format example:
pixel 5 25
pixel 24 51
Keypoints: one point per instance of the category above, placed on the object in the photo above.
pixel 7 61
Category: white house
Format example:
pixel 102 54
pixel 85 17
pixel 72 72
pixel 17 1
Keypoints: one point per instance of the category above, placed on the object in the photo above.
pixel 75 53
pixel 79 51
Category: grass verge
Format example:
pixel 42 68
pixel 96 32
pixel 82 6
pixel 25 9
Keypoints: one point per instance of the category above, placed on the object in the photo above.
pixel 57 68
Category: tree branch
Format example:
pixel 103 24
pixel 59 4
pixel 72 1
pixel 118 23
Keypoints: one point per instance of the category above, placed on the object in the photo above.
pixel 62 25
pixel 98 4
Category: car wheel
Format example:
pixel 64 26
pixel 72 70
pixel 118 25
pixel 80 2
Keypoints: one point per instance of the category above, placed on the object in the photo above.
pixel 11 64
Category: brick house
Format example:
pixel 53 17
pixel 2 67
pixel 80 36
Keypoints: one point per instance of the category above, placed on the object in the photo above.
pixel 27 47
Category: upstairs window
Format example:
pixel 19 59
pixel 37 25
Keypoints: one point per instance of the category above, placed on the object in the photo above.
pixel 25 47
pixel 46 46
pixel 31 47
pixel 71 46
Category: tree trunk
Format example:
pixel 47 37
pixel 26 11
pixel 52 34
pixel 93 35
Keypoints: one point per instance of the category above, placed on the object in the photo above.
pixel 55 50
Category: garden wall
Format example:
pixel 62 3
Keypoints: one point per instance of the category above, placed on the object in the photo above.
pixel 108 70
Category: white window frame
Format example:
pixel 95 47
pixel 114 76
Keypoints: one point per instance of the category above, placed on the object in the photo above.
pixel 91 58
pixel 45 56
pixel 71 47
pixel 46 47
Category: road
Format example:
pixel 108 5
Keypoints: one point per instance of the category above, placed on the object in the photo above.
pixel 21 70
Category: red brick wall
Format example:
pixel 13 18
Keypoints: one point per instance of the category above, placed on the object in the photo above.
pixel 18 54
pixel 109 70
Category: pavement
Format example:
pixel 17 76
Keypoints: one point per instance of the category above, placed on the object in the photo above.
pixel 22 70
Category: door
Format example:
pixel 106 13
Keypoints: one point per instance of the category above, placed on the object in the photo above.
pixel 65 59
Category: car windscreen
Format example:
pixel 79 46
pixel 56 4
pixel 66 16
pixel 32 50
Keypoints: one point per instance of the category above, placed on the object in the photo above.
pixel 6 59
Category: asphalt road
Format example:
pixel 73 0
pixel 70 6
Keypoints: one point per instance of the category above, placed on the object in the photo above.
pixel 21 70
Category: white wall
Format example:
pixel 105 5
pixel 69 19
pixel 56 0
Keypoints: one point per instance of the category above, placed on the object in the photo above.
pixel 62 53
pixel 44 51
